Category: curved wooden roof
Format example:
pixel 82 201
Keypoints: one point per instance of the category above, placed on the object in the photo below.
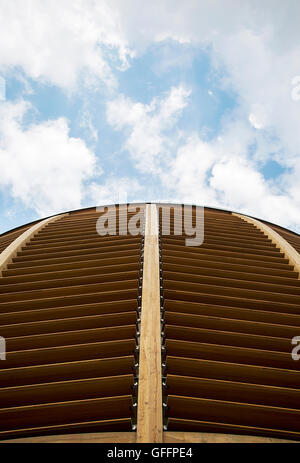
pixel 146 336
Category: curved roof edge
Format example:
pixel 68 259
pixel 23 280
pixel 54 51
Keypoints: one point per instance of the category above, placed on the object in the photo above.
pixel 147 202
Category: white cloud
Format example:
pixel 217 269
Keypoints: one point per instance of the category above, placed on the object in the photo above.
pixel 220 174
pixel 188 172
pixel 255 44
pixel 147 126
pixel 114 190
pixel 223 172
pixel 261 75
pixel 258 118
pixel 87 124
pixel 61 41
pixel 257 50
pixel 42 166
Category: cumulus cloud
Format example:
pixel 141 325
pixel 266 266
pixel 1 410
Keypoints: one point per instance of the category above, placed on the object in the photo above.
pixel 241 187
pixel 220 174
pixel 41 165
pixel 223 172
pixel 256 52
pixel 148 126
pixel 254 45
pixel 59 42
pixel 114 191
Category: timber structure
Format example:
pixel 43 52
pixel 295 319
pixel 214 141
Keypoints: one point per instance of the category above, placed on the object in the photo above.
pixel 140 338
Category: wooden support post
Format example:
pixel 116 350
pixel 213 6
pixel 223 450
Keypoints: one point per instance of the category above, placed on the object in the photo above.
pixel 149 415
pixel 11 251
pixel 286 248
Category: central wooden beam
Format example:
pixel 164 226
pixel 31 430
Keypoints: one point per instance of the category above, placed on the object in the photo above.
pixel 149 414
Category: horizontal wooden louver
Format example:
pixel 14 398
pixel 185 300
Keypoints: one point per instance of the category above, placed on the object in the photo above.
pixel 231 309
pixel 7 238
pixel 292 238
pixel 68 304
pixel 73 306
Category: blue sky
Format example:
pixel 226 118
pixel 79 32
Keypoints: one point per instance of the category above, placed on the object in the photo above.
pixel 178 101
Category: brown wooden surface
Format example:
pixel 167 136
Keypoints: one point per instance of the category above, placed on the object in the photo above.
pixel 231 310
pixel 68 302
pixel 80 438
pixel 286 247
pixel 176 437
pixel 9 249
pixel 149 421
pixel 173 437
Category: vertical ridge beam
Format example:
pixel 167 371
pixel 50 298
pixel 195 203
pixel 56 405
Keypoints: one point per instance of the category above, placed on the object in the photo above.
pixel 149 413
pixel 13 248
pixel 286 248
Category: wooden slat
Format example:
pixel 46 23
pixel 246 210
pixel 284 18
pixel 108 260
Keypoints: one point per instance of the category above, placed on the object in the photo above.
pixel 235 413
pixel 236 275
pixel 13 270
pixel 75 258
pixel 80 310
pixel 40 294
pixel 228 300
pixel 239 255
pixel 291 237
pixel 216 427
pixel 230 371
pixel 66 338
pixel 53 241
pixel 225 264
pixel 222 288
pixel 74 281
pixel 230 338
pixel 60 246
pixel 291 254
pixel 36 374
pixel 8 254
pixel 237 313
pixel 61 301
pixel 68 324
pixel 233 391
pixel 232 282
pixel 227 353
pixel 250 252
pixel 65 412
pixel 120 426
pixel 219 238
pixel 276 264
pixel 230 324
pixel 10 236
pixel 95 250
pixel 71 273
pixel 64 391
pixel 76 352
pixel 85 437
